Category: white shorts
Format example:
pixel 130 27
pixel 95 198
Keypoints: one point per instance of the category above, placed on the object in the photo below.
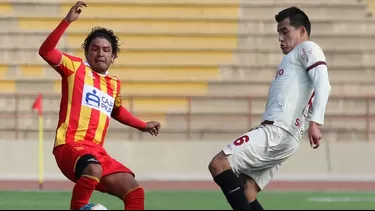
pixel 260 152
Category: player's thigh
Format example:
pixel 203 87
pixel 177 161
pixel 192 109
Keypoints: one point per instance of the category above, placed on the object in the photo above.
pixel 67 157
pixel 118 184
pixel 117 179
pixel 244 152
pixel 280 146
pixel 262 148
pixel 256 181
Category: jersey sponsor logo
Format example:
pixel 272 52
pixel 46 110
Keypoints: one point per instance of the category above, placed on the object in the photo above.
pixel 97 99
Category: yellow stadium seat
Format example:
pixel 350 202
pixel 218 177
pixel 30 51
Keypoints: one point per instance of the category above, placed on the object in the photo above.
pixel 157 105
pixel 31 71
pixel 4 71
pixel 6 9
pixel 7 86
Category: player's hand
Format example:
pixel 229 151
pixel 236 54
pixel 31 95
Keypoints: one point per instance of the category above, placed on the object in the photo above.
pixel 314 135
pixel 152 127
pixel 75 11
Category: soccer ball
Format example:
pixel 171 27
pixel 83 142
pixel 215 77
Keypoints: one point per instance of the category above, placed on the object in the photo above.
pixel 93 206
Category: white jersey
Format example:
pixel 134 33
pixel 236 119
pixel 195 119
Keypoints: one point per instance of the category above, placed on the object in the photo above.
pixel 301 79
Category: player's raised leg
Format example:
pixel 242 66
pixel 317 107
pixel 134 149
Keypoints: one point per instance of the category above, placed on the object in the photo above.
pixel 79 163
pixel 119 181
pixel 125 187
pixel 88 172
pixel 225 166
pixel 251 191
pixel 228 181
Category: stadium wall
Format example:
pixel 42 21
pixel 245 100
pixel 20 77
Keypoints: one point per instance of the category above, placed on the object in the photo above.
pixel 188 160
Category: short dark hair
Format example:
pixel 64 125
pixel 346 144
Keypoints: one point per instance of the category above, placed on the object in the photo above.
pixel 296 17
pixel 104 33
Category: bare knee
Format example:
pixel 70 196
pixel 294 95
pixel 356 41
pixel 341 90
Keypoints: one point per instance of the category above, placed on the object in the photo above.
pixel 251 187
pixel 94 170
pixel 119 184
pixel 88 165
pixel 219 164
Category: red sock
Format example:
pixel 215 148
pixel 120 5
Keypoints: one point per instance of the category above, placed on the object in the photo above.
pixel 82 191
pixel 135 199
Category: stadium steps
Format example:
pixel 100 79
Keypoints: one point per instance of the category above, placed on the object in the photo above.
pixel 177 104
pixel 188 33
pixel 336 105
pixel 332 26
pixel 147 40
pixel 199 57
pixel 244 88
pixel 332 42
pixel 317 11
pixel 204 123
pixel 176 73
pixel 364 26
pixel 153 87
pixel 85 25
pixel 167 73
pixel 183 88
pixel 144 41
pixel 134 73
pixel 240 123
pixel 183 2
pixel 191 9
pixel 172 57
pixel 164 41
pixel 338 74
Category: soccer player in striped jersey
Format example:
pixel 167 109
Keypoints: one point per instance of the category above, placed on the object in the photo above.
pixel 90 97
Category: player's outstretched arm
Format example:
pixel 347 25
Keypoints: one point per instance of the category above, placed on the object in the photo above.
pixel 48 49
pixel 122 115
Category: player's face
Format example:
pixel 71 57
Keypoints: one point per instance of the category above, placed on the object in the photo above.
pixel 289 36
pixel 100 55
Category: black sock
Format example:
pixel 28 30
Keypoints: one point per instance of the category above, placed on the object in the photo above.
pixel 233 190
pixel 255 205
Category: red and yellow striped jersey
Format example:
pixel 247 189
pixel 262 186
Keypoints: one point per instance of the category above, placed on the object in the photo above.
pixel 87 102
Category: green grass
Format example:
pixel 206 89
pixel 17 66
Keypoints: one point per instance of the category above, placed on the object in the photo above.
pixel 196 200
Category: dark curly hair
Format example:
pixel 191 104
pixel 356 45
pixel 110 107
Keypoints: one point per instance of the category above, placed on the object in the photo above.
pixel 104 33
pixel 296 17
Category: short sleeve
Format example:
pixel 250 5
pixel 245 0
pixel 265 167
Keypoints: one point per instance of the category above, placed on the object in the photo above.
pixel 311 55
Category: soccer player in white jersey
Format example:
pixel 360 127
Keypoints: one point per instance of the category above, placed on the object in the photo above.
pixel 296 102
